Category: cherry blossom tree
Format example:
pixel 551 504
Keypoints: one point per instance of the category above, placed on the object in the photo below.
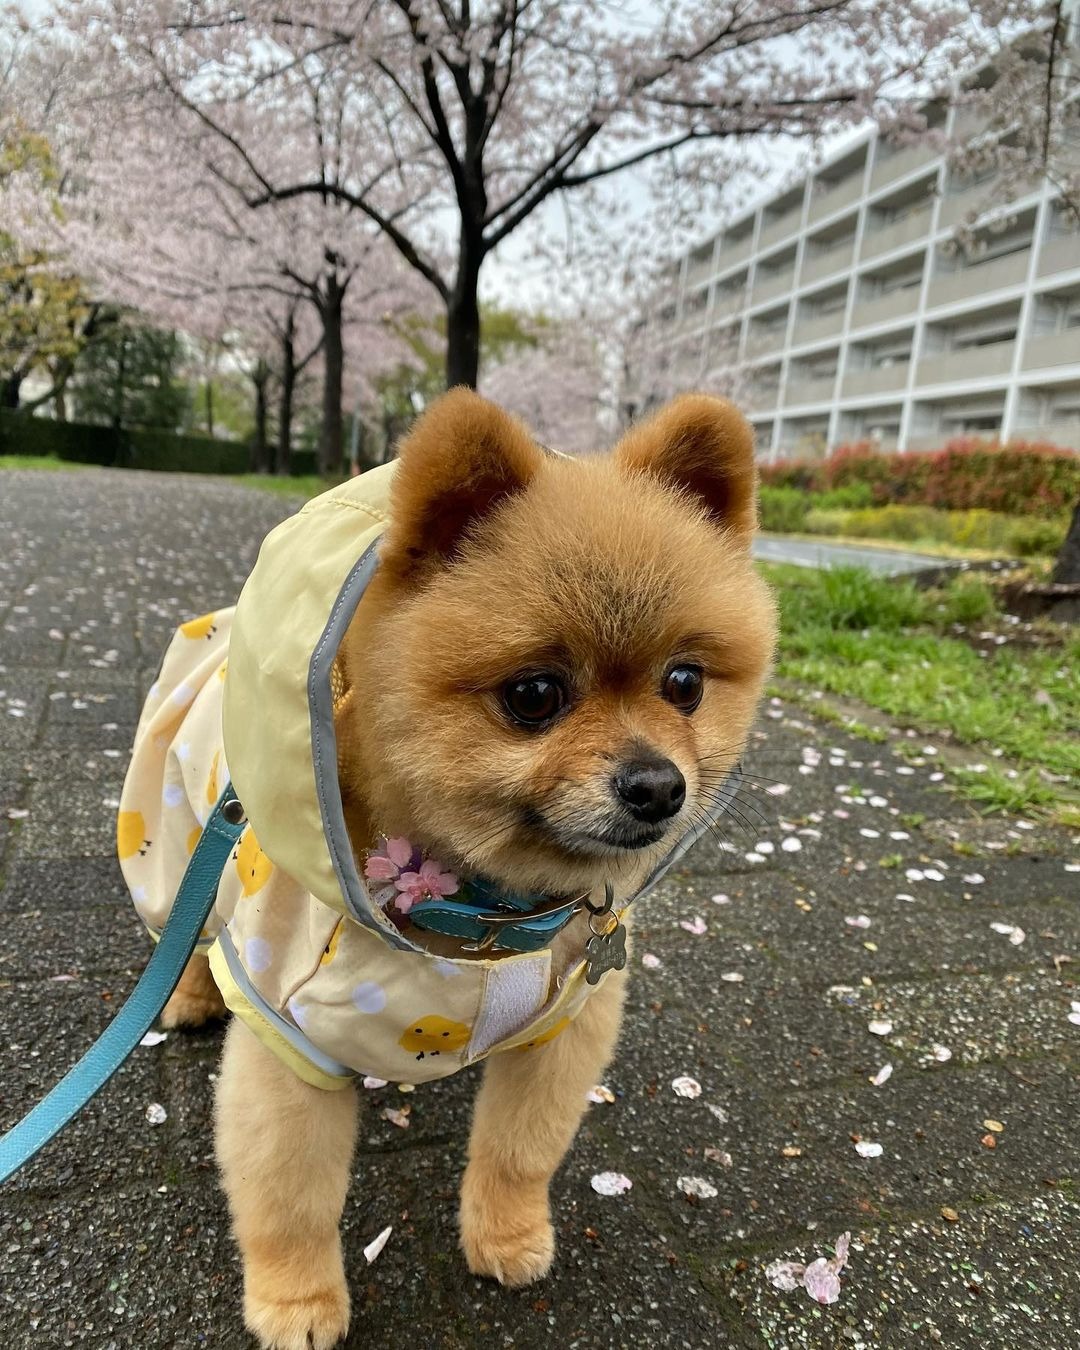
pixel 46 315
pixel 1022 119
pixel 196 257
pixel 1019 113
pixel 555 382
pixel 449 126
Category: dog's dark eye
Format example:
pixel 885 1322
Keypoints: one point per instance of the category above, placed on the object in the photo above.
pixel 683 687
pixel 534 700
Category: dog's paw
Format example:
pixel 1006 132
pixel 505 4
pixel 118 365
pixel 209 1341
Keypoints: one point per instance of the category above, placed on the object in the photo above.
pixel 506 1235
pixel 192 1010
pixel 315 1322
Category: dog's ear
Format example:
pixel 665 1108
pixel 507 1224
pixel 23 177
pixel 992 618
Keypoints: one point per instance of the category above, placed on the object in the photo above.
pixel 458 463
pixel 704 446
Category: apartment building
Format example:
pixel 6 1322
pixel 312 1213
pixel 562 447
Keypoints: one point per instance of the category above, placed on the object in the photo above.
pixel 847 312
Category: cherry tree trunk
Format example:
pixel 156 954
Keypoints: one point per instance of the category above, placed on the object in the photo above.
pixel 1067 568
pixel 283 455
pixel 9 391
pixel 331 433
pixel 463 320
pixel 260 458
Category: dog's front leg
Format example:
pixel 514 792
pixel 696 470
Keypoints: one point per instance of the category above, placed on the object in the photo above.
pixel 527 1113
pixel 285 1150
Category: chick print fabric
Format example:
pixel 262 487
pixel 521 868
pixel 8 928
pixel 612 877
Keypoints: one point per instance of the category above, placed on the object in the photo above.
pixel 326 993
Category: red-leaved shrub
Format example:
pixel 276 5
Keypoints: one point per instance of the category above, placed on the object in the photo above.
pixel 1021 478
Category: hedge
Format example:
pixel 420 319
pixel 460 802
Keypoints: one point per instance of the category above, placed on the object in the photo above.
pixel 1021 478
pixel 82 443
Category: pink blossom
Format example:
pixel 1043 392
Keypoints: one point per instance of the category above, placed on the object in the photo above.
pixel 399 851
pixel 820 1279
pixel 386 864
pixel 380 868
pixel 430 883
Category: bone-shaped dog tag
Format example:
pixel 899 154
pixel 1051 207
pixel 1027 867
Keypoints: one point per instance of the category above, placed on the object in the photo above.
pixel 605 951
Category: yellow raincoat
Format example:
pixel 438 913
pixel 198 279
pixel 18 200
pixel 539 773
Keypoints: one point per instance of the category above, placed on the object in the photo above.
pixel 296 945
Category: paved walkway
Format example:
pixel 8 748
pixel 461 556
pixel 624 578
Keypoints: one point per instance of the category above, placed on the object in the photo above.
pixel 812 553
pixel 117 1236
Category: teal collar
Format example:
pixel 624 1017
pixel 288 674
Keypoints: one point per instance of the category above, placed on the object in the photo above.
pixel 493 919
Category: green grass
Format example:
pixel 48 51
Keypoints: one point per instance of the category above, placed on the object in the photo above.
pixel 303 485
pixel 38 462
pixel 889 645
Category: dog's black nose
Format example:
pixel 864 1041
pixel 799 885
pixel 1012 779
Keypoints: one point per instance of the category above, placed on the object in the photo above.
pixel 653 789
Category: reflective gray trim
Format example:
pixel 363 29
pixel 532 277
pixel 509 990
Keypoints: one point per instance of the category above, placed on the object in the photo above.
pixel 281 1025
pixel 324 752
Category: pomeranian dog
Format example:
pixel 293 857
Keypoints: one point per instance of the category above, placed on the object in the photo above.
pixel 550 677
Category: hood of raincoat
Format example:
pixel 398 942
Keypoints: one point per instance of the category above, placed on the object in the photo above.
pixel 278 707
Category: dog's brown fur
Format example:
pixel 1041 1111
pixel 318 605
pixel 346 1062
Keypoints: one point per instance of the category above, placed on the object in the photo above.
pixel 501 559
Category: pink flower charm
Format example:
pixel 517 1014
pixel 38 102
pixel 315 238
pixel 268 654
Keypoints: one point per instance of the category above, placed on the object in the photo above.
pixel 380 868
pixel 386 864
pixel 407 875
pixel 429 883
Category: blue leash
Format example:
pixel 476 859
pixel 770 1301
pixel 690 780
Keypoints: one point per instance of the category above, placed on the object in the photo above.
pixel 194 901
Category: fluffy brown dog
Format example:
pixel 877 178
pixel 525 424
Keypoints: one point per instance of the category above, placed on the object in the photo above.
pixel 550 676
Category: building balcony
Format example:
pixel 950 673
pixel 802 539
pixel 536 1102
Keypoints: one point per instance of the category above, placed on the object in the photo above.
pixel 899 304
pixel 928 440
pixel 1052 349
pixel 1065 435
pixel 809 391
pixel 692 319
pixel 972 283
pixel 817 327
pixel 762 398
pixel 892 166
pixel 766 343
pixel 1060 255
pixel 728 255
pixel 835 198
pixel 768 285
pixel 699 273
pixel 972 201
pixel 879 380
pixel 910 228
pixel 728 305
pixel 968 122
pixel 968 363
pixel 773 231
pixel 821 265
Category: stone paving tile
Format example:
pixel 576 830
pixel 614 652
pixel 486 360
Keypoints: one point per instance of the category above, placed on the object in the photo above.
pixel 50 943
pixel 117 1235
pixel 22 707
pixel 69 820
pixel 1004 1275
pixel 80 883
pixel 47 1027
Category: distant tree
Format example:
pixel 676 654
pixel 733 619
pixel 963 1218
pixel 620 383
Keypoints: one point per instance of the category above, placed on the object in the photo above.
pixel 44 309
pixel 132 378
pixel 554 381
pixel 1020 112
pixel 419 376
